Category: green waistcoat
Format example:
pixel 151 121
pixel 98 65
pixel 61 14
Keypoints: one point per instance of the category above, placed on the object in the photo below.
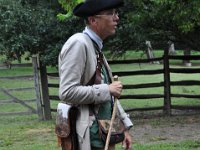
pixel 105 112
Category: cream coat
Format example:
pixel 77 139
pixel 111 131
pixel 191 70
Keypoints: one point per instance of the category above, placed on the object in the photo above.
pixel 77 64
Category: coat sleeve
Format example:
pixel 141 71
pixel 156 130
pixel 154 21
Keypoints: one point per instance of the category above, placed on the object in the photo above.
pixel 124 116
pixel 72 64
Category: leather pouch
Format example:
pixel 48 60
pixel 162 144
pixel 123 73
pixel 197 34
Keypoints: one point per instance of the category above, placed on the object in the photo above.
pixel 117 132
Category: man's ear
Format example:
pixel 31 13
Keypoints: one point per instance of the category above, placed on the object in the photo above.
pixel 92 20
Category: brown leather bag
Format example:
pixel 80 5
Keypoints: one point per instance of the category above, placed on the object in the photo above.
pixel 117 132
pixel 66 127
pixel 65 143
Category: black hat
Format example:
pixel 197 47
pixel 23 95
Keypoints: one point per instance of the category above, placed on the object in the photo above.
pixel 92 7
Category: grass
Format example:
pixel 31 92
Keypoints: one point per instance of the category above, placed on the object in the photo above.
pixel 16 72
pixel 185 145
pixel 26 132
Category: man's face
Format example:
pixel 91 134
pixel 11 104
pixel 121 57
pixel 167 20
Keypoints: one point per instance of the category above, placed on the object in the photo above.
pixel 106 23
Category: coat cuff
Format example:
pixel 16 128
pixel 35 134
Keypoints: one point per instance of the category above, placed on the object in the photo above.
pixel 127 121
pixel 102 93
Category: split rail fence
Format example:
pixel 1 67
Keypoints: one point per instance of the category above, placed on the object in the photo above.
pixel 166 84
pixel 43 99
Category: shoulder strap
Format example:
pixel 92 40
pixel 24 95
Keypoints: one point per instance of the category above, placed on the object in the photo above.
pixel 100 62
pixel 96 78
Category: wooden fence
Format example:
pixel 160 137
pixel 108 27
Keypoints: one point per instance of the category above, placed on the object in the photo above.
pixel 166 84
pixel 28 104
pixel 42 86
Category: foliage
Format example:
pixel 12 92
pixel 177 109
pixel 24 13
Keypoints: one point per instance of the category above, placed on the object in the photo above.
pixel 31 26
pixel 164 20
pixel 127 37
pixel 68 5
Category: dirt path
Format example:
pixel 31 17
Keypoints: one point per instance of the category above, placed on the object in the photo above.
pixel 166 129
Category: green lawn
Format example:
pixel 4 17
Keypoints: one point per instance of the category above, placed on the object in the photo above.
pixel 26 133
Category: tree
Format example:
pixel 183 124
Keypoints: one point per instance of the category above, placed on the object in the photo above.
pixel 31 26
pixel 164 20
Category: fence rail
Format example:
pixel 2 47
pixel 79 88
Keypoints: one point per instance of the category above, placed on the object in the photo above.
pixel 142 72
pixel 14 99
pixel 134 61
pixel 10 65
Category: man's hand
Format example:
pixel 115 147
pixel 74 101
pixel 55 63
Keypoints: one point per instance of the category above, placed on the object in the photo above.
pixel 116 88
pixel 127 143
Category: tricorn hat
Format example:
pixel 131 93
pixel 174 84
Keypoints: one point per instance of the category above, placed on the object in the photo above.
pixel 92 7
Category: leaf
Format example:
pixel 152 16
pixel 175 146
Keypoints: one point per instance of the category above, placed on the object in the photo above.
pixel 64 16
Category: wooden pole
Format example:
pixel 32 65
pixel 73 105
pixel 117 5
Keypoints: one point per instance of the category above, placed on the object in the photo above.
pixel 37 86
pixel 112 119
pixel 167 89
pixel 45 92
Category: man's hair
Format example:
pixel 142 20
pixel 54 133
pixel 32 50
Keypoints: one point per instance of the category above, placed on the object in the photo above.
pixel 86 21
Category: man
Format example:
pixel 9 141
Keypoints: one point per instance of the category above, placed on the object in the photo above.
pixel 77 66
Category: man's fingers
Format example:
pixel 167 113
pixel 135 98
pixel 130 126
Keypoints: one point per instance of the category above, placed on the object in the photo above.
pixel 116 88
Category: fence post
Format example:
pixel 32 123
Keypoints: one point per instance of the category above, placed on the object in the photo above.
pixel 45 92
pixel 167 90
pixel 187 63
pixel 37 87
